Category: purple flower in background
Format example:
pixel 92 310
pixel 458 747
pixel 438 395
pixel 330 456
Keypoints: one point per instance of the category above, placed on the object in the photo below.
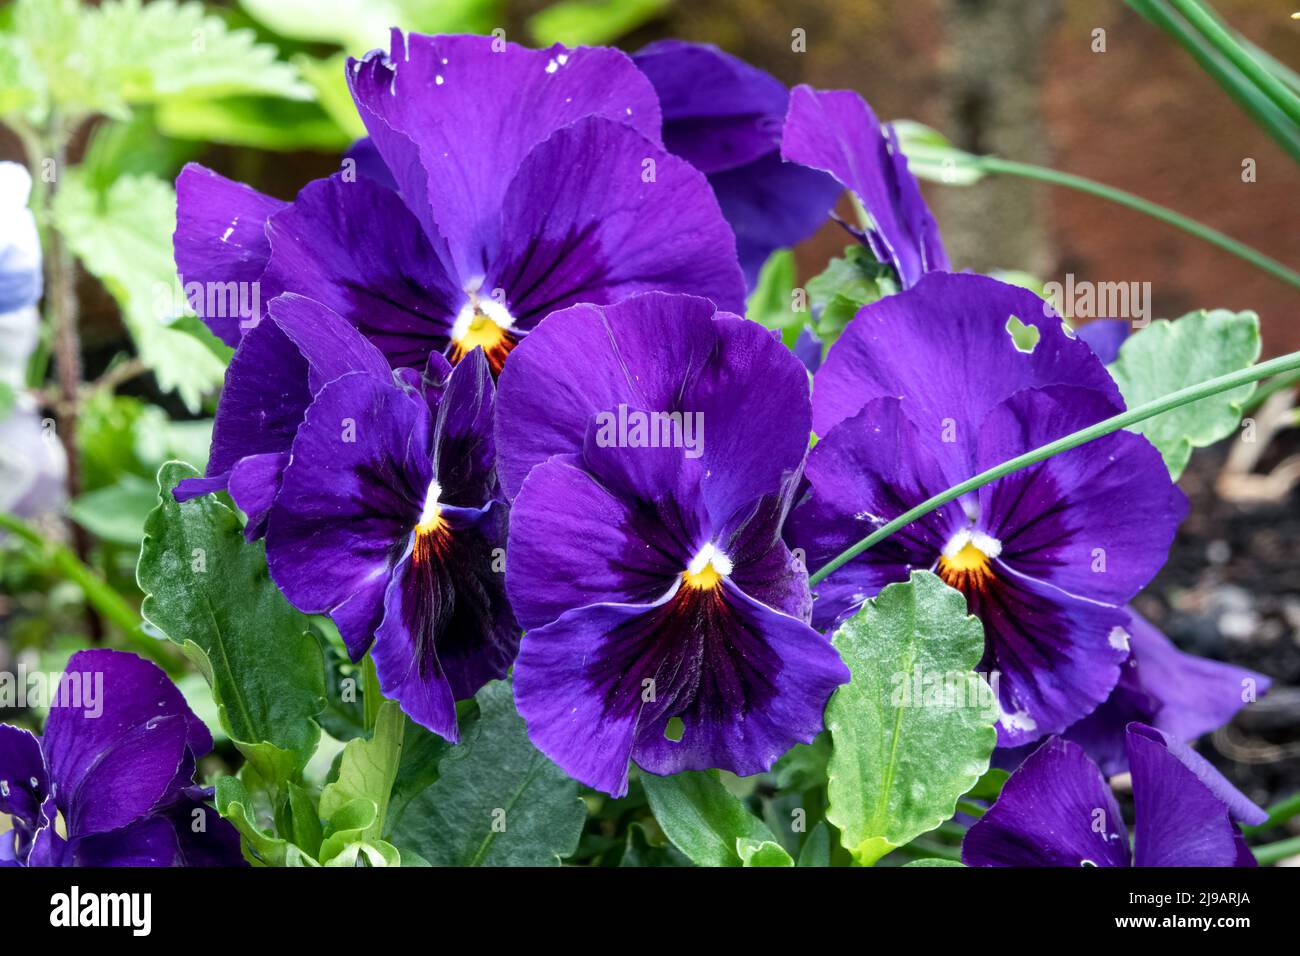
pixel 927 388
pixel 389 521
pixel 1104 337
pixel 1181 694
pixel 1056 810
pixel 654 447
pixel 117 764
pixel 724 117
pixel 835 130
pixel 498 184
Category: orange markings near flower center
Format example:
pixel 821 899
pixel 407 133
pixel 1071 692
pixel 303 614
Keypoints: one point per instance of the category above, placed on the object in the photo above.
pixel 969 569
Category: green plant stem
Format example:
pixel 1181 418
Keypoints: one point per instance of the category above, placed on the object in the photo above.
pixel 1184 396
pixel 97 591
pixel 1248 96
pixel 1269 389
pixel 1278 814
pixel 1227 45
pixel 994 164
pixel 1270 853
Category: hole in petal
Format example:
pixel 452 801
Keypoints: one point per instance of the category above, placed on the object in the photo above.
pixel 675 729
pixel 1024 336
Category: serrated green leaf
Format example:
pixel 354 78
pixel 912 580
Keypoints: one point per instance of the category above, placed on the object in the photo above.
pixel 497 800
pixel 105 58
pixel 847 284
pixel 703 818
pixel 360 25
pixel 1166 356
pixel 898 765
pixel 366 772
pixel 123 238
pixel 762 853
pixel 208 589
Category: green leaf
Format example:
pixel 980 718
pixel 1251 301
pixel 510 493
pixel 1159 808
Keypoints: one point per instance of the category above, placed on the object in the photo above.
pixel 931 155
pixel 122 52
pixel 816 850
pixel 771 304
pixel 360 25
pixel 640 851
pixel 1166 356
pixel 307 831
pixel 703 818
pixel 989 786
pixel 367 772
pixel 123 238
pixel 117 512
pixel 592 22
pixel 261 847
pixel 934 861
pixel 260 122
pixel 899 764
pixel 762 853
pixel 847 284
pixel 208 589
pixel 497 800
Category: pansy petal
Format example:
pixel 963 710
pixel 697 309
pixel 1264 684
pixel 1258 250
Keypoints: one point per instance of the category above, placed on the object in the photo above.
pixel 253 484
pixel 331 346
pixel 657 353
pixel 870 469
pixel 392 285
pixel 772 205
pixel 115 743
pixel 749 685
pixel 1104 337
pixel 583 221
pixel 1096 521
pixel 1182 694
pixel 573 542
pixel 836 131
pixel 464 448
pixel 349 499
pixel 474 107
pixel 1055 810
pixel 599 684
pixel 220 238
pixel 719 112
pixel 262 404
pixel 370 163
pixel 26 781
pixel 447 628
pixel 1056 657
pixel 1240 807
pixel 1178 819
pixel 943 347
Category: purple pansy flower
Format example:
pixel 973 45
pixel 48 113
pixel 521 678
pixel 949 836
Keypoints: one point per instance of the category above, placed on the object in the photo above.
pixel 927 388
pixel 724 116
pixel 1056 810
pixel 654 447
pixel 390 521
pixel 835 130
pixel 498 184
pixel 1104 337
pixel 117 764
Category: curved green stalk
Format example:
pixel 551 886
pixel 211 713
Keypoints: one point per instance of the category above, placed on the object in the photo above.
pixel 1184 396
pixel 993 164
pixel 1271 853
